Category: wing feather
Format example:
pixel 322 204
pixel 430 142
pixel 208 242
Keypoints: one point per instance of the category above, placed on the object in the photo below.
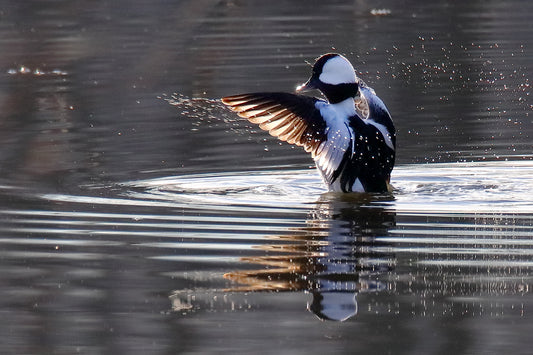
pixel 289 117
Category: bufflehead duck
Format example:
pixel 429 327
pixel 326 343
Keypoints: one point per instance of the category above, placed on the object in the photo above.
pixel 350 136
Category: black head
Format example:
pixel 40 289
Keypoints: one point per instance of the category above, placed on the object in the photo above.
pixel 334 76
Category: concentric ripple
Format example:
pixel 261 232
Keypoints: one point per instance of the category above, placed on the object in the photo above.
pixel 457 232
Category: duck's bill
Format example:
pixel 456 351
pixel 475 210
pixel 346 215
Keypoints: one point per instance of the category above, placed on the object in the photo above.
pixel 307 86
pixel 302 87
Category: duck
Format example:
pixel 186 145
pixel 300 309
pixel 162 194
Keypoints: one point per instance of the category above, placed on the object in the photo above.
pixel 348 131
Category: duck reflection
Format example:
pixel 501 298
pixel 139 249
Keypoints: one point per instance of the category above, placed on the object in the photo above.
pixel 334 257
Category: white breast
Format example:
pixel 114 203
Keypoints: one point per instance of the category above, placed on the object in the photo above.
pixel 339 138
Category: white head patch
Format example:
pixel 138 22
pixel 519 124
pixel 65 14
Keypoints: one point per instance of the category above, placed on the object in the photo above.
pixel 337 70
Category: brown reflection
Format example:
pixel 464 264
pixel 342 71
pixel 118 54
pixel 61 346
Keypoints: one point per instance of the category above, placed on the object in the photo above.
pixel 332 258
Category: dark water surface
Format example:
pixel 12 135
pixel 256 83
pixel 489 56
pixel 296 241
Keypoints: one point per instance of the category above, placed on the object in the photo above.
pixel 138 216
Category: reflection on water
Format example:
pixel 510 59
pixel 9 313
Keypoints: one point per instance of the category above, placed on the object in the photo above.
pixel 332 258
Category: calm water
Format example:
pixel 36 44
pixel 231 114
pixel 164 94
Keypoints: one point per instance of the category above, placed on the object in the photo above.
pixel 138 216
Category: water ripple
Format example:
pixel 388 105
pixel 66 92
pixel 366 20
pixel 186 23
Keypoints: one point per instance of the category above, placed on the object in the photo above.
pixel 280 231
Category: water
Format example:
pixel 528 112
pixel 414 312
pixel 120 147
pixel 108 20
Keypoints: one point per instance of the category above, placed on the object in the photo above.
pixel 138 215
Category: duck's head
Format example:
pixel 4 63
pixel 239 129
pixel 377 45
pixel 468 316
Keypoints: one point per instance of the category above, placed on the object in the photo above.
pixel 334 76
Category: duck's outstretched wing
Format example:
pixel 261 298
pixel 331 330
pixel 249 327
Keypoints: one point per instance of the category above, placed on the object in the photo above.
pixel 289 117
